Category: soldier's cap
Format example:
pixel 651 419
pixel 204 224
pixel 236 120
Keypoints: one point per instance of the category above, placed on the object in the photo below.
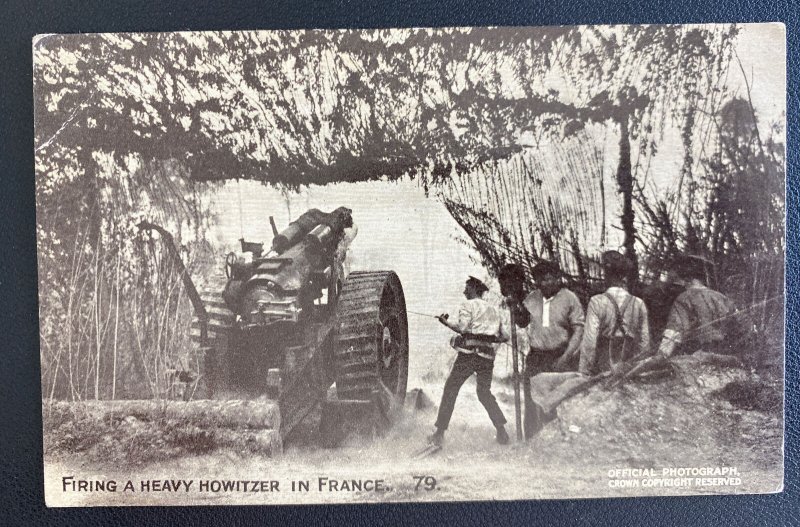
pixel 616 262
pixel 545 267
pixel 478 284
pixel 691 266
pixel 512 272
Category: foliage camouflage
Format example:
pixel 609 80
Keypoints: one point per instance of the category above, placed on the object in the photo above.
pixel 507 126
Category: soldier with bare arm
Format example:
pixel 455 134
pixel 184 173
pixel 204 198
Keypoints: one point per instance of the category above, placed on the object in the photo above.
pixel 700 318
pixel 556 323
pixel 554 333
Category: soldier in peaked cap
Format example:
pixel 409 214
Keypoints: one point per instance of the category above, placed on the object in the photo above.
pixel 477 328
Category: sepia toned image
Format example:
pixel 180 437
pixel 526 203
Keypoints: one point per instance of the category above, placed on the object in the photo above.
pixel 438 264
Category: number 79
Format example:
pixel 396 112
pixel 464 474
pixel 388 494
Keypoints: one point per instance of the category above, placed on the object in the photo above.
pixel 427 482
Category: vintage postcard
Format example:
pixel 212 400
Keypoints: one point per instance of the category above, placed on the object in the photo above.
pixel 329 266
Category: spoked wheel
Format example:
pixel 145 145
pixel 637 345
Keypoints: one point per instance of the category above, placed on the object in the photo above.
pixel 371 350
pixel 393 363
pixel 218 333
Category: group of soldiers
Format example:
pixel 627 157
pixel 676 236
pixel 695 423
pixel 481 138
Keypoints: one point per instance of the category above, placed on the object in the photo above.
pixel 554 334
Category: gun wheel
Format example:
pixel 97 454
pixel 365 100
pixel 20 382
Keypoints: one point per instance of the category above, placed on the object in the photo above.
pixel 371 350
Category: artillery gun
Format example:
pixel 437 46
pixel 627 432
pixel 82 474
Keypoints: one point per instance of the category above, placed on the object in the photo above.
pixel 279 329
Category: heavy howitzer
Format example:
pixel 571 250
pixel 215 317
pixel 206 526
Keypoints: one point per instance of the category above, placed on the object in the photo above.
pixel 281 328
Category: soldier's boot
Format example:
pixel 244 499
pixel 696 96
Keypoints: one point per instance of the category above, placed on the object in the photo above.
pixel 436 438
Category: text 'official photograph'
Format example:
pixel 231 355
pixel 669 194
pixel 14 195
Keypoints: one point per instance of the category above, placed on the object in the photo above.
pixel 345 266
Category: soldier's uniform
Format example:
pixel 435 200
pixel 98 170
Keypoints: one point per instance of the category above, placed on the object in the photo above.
pixel 617 328
pixel 553 321
pixel 478 329
pixel 475 317
pixel 700 318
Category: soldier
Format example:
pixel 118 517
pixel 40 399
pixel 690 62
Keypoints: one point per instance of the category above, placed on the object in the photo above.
pixel 554 333
pixel 556 322
pixel 477 326
pixel 700 318
pixel 512 287
pixel 616 327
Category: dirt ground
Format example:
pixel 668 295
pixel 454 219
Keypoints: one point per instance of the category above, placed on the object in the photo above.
pixel 637 427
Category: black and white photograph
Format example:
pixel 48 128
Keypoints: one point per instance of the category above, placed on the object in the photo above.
pixel 412 264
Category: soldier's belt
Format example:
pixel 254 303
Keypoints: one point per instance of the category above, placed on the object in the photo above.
pixel 477 346
pixel 471 344
pixel 481 339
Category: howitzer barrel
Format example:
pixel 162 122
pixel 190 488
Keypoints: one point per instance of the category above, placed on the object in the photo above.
pixel 319 236
pixel 296 230
pixel 307 222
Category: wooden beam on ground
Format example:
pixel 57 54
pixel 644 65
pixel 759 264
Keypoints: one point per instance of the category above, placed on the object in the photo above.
pixel 203 413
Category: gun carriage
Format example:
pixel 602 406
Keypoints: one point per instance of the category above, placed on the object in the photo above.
pixel 281 328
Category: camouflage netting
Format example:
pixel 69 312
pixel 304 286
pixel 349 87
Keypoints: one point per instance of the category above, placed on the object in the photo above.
pixel 710 413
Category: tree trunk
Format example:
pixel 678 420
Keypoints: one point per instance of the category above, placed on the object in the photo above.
pixel 625 182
